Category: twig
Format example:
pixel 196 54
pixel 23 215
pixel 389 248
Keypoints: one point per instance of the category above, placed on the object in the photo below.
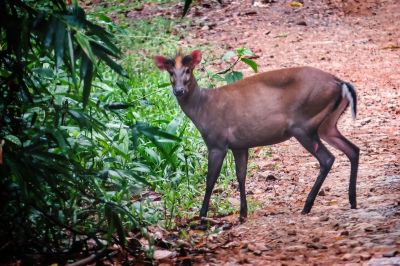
pixel 230 67
pixel 94 257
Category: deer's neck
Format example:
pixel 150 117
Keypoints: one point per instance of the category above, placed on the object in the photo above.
pixel 193 105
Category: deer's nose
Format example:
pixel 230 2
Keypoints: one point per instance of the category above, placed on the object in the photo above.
pixel 178 92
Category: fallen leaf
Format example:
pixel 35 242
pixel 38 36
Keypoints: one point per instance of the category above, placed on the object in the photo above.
pixel 296 4
pixel 162 254
pixel 391 46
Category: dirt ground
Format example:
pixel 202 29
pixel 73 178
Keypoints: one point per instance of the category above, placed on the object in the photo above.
pixel 359 41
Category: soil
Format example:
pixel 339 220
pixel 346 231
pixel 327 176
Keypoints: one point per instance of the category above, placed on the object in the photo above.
pixel 359 42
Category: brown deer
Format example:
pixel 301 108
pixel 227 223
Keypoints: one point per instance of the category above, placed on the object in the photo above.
pixel 265 109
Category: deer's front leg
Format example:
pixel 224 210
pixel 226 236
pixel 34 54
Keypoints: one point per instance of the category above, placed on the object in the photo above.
pixel 215 158
pixel 241 158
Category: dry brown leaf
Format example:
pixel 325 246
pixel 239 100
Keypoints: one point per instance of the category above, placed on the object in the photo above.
pixel 162 254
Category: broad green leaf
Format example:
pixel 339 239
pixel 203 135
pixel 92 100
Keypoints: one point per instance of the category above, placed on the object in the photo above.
pixel 84 67
pixel 140 167
pixel 233 76
pixel 85 121
pixel 126 174
pixel 153 155
pixel 250 62
pixel 163 85
pixel 120 230
pixel 48 40
pixel 123 86
pixel 44 72
pixel 59 42
pixel 81 118
pixel 59 137
pixel 77 11
pixel 150 131
pixel 102 17
pixel 172 127
pixel 87 83
pixel 72 21
pixel 13 139
pixel 85 45
pixel 72 57
pixel 111 63
pixel 103 39
pixel 118 106
pixel 244 52
pixel 228 55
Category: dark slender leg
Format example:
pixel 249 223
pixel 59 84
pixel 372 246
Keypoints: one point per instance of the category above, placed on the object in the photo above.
pixel 313 144
pixel 241 158
pixel 328 131
pixel 215 159
pixel 352 152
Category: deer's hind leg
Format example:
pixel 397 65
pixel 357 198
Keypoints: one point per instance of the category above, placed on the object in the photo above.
pixel 328 131
pixel 312 143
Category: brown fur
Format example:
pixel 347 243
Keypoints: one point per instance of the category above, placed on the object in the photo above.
pixel 268 108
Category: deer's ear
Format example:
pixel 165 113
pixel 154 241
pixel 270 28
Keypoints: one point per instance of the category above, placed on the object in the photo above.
pixel 196 57
pixel 161 62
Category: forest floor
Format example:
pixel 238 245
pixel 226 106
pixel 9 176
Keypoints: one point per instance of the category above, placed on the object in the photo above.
pixel 358 41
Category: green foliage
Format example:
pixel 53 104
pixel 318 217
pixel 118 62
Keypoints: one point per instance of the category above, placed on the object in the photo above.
pixel 233 76
pixel 239 55
pixel 84 145
pixel 70 166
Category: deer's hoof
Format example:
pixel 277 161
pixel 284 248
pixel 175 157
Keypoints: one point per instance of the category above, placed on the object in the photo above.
pixel 304 212
pixel 242 219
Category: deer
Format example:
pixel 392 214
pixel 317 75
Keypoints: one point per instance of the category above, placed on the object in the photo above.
pixel 265 109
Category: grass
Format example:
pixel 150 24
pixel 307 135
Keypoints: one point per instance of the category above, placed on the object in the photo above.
pixel 180 178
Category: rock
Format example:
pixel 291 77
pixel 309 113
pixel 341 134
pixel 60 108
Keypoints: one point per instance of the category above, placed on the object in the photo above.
pixel 384 261
pixel 315 239
pixel 365 255
pixel 271 178
pixel 226 226
pixel 295 248
pixel 368 214
pixel 316 246
pixel 301 23
pixel 324 218
pixel 348 256
pixel 321 193
pixel 366 227
pixel 390 254
pixel 353 243
pixel 358 249
pixel 162 254
pixel 251 247
pixel 257 252
pixel 344 233
pixel 292 233
pixel 183 243
pixel 258 247
pixel 249 13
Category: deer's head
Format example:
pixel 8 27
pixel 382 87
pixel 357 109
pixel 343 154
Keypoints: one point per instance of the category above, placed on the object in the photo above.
pixel 181 71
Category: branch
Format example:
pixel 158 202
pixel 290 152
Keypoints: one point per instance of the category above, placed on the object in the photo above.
pixel 94 257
